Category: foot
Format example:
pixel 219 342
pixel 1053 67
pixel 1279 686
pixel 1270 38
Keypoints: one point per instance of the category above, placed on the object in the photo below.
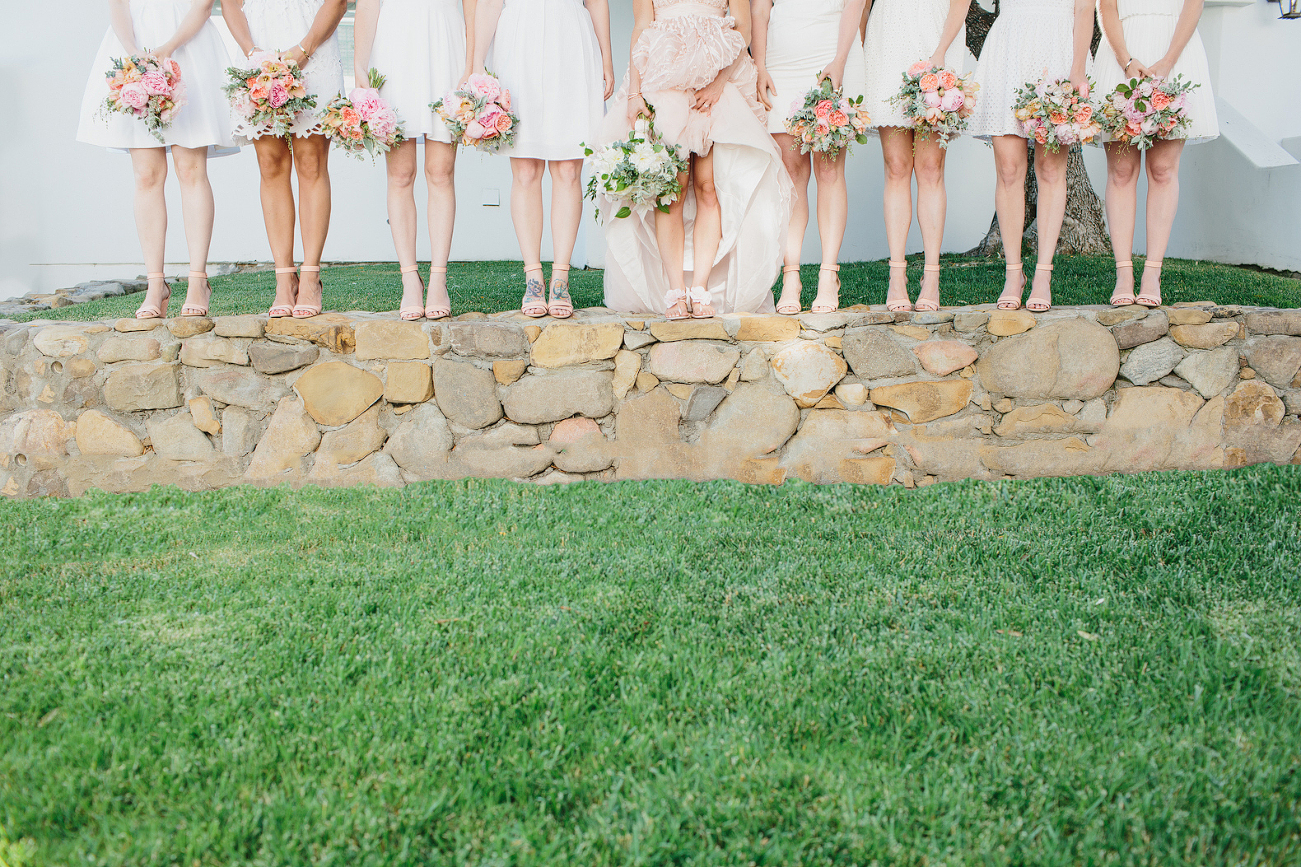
pixel 438 304
pixel 1150 296
pixel 413 295
pixel 156 296
pixel 560 305
pixel 309 301
pixel 896 299
pixel 535 294
pixel 828 298
pixel 1041 296
pixel 1123 296
pixel 1013 288
pixel 286 292
pixel 198 295
pixel 678 303
pixel 928 299
pixel 792 289
pixel 701 303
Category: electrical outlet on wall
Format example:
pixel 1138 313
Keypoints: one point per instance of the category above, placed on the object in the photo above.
pixel 491 198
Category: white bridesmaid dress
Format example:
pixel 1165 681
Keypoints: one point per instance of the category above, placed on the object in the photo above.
pixel 802 39
pixel 546 54
pixel 204 121
pixel 1149 27
pixel 420 48
pixel 900 33
pixel 279 25
pixel 1030 40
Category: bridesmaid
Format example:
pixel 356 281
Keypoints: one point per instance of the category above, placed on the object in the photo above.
pixel 1030 40
pixel 183 31
pixel 1151 38
pixel 796 44
pixel 419 46
pixel 303 30
pixel 900 33
pixel 554 58
pixel 689 61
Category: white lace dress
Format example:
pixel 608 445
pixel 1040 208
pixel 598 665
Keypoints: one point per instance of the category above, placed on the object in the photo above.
pixel 279 25
pixel 1030 40
pixel 802 39
pixel 900 33
pixel 420 48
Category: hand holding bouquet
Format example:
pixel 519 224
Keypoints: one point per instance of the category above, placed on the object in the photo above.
pixel 637 174
pixel 478 113
pixel 270 95
pixel 146 88
pixel 1056 113
pixel 936 101
pixel 826 122
pixel 362 122
pixel 1141 112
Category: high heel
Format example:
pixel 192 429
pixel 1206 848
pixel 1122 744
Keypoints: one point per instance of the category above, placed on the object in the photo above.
pixel 1151 301
pixel 1007 302
pixel 280 311
pixel 701 297
pixel 790 309
pixel 411 314
pixel 822 308
pixel 559 304
pixel 900 306
pixel 155 311
pixel 534 304
pixel 195 309
pixel 1118 300
pixel 438 312
pixel 1038 305
pixel 307 311
pixel 927 306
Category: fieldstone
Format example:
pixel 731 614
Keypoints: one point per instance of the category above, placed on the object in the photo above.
pixel 852 393
pixel 913 331
pixel 752 421
pixel 580 447
pixel 489 340
pixel 273 358
pixel 532 332
pixel 1151 361
pixel 690 329
pixel 1275 358
pixel 1155 428
pixel 1206 336
pixel 758 328
pixel 116 349
pixel 1043 418
pixel 1254 430
pixel 568 345
pixel 79 368
pixel 647 381
pixel 290 437
pixel 828 436
pixel 335 392
pixel 1006 323
pixel 648 421
pixel 466 394
pixel 509 371
pixel 421 442
pixel 1188 316
pixel 238 387
pixel 1042 458
pixel 808 371
pixel 931 317
pixel 239 431
pixel 136 387
pixel 348 445
pixel 1151 327
pixel 391 339
pixel 47 483
pixel 41 435
pixel 240 326
pixel 1117 315
pixel 189 326
pixel 332 331
pixel 703 401
pixel 100 434
pixel 502 435
pixel 925 401
pixel 942 357
pixel 512 462
pixel 544 398
pixel 1292 401
pixel 637 339
pixel 177 439
pixel 408 382
pixel 627 365
pixel 873 354
pixel 209 351
pixel 1275 322
pixel 61 341
pixel 967 322
pixel 1253 404
pixel 377 470
pixel 679 390
pixel 1063 360
pixel 692 361
pixel 127 326
pixel 867 471
pixel 1210 372
pixel 755 366
pixel 205 418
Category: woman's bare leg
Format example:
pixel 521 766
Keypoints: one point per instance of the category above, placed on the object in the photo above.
pixel 526 213
pixel 150 168
pixel 440 178
pixel 833 217
pixel 1050 174
pixel 1123 166
pixel 199 210
pixel 401 165
pixel 1011 162
pixel 1162 205
pixel 897 148
pixel 799 168
pixel 671 237
pixel 707 232
pixel 932 203
pixel 311 163
pixel 276 164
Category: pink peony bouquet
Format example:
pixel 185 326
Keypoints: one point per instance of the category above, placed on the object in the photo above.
pixel 1055 113
pixel 478 113
pixel 146 88
pixel 362 122
pixel 825 122
pixel 270 95
pixel 936 101
pixel 1142 112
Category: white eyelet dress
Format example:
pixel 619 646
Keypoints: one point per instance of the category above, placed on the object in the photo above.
pixel 1030 40
pixel 420 48
pixel 204 121
pixel 279 25
pixel 1149 27
pixel 546 54
pixel 802 39
pixel 900 33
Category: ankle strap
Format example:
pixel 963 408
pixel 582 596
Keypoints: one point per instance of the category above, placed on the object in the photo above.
pixel 1043 267
pixel 155 275
pixel 438 269
pixel 536 266
pixel 555 268
pixel 292 270
pixel 894 264
pixel 1014 266
pixel 1153 263
pixel 409 270
pixel 791 269
pixel 931 268
pixel 309 268
pixel 834 269
pixel 203 274
pixel 675 296
pixel 1128 263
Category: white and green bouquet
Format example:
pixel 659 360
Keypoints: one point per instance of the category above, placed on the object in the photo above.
pixel 637 174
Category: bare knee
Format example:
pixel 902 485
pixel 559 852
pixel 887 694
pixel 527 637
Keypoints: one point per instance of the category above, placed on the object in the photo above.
pixel 929 169
pixel 1050 173
pixel 191 173
pixel 401 176
pixel 275 165
pixel 1011 173
pixel 797 166
pixel 440 173
pixel 567 172
pixel 310 166
pixel 898 167
pixel 1123 173
pixel 826 171
pixel 1161 172
pixel 527 172
pixel 706 194
pixel 151 177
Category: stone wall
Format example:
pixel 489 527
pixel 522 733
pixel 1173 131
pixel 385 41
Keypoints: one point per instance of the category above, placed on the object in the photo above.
pixel 859 396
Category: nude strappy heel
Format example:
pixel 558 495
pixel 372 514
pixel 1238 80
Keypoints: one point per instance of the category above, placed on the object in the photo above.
pixel 1121 300
pixel 307 311
pixel 195 309
pixel 1006 301
pixel 822 308
pixel 927 306
pixel 534 303
pixel 1038 305
pixel 438 312
pixel 900 306
pixel 790 309
pixel 559 304
pixel 155 311
pixel 673 298
pixel 1143 299
pixel 280 311
pixel 701 298
pixel 411 314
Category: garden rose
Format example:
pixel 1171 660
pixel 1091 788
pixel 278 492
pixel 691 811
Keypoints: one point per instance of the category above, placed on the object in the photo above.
pixel 952 101
pixel 823 109
pixel 504 123
pixel 1160 100
pixel 134 95
pixel 278 96
pixel 154 83
pixel 929 83
pixel 948 80
pixel 918 68
pixel 838 118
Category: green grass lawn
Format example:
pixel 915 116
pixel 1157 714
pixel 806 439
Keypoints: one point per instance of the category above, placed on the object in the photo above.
pixel 493 286
pixel 1056 672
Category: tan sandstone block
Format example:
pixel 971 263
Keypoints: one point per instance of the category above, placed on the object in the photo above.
pixel 757 328
pixel 942 357
pixel 678 390
pixel 690 329
pixel 509 370
pixel 867 471
pixel 1188 316
pixel 390 339
pixel 1005 323
pixel 916 332
pixel 335 393
pixel 127 326
pixel 205 418
pixel 925 401
pixel 627 365
pixel 562 345
pixel 408 382
pixel 532 332
pixel 647 381
pixel 808 371
pixel 333 331
pixel 190 326
pixel 1206 336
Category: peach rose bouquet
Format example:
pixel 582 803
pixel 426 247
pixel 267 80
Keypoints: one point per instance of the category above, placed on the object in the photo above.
pixel 363 122
pixel 826 122
pixel 936 101
pixel 1053 113
pixel 270 95
pixel 1142 112
pixel 478 113
pixel 145 88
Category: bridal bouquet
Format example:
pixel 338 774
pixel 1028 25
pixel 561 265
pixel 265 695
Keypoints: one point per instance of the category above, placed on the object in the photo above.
pixel 145 88
pixel 478 113
pixel 637 174
pixel 1142 112
pixel 269 95
pixel 826 122
pixel 362 122
pixel 1055 113
pixel 936 101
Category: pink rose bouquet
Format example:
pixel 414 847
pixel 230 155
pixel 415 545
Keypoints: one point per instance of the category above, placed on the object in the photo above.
pixel 825 122
pixel 363 122
pixel 1142 112
pixel 145 88
pixel 478 113
pixel 1054 113
pixel 270 95
pixel 936 101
